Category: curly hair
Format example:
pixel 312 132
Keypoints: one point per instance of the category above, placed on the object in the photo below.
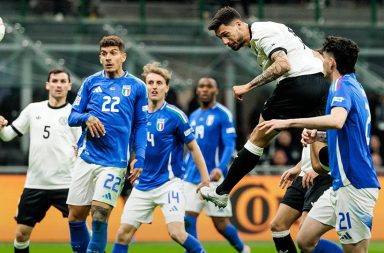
pixel 345 52
pixel 224 16
pixel 155 67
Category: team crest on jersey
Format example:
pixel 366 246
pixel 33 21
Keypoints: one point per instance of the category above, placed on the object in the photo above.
pixel 63 121
pixel 210 120
pixel 126 91
pixel 160 124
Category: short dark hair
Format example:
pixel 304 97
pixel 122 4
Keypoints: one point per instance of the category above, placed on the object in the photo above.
pixel 58 71
pixel 223 16
pixel 345 52
pixel 112 40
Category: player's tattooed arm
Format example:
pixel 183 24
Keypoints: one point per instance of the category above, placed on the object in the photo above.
pixel 279 67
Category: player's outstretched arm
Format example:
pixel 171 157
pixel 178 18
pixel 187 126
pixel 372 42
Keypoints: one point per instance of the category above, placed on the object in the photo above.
pixel 279 67
pixel 198 158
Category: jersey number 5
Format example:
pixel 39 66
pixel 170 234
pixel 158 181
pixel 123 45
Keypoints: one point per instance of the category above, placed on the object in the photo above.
pixel 46 132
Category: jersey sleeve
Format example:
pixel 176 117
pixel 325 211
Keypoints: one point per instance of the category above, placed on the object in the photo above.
pixel 184 131
pixel 140 125
pixel 78 114
pixel 341 97
pixel 21 124
pixel 269 39
pixel 228 136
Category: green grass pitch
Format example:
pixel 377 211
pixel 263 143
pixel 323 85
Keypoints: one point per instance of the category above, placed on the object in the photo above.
pixel 145 247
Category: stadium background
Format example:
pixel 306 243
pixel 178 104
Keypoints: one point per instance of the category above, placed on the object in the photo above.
pixel 42 34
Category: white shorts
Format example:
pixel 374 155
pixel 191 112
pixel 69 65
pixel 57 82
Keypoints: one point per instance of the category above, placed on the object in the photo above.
pixel 349 210
pixel 196 204
pixel 94 182
pixel 141 204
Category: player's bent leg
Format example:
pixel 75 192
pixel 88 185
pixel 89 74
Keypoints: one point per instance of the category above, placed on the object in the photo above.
pixel 190 220
pixel 178 234
pixel 123 238
pixel 360 247
pixel 323 246
pixel 21 243
pixel 226 229
pixel 310 234
pixel 246 159
pixel 78 229
pixel 280 225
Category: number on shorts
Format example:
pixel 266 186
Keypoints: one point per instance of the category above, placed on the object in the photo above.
pixel 112 182
pixel 345 221
pixel 173 195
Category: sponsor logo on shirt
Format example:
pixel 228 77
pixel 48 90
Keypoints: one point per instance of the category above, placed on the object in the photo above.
pixel 160 124
pixel 126 91
pixel 38 117
pixel 97 89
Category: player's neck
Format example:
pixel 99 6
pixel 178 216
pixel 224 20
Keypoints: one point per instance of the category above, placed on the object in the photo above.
pixel 155 105
pixel 114 74
pixel 53 102
pixel 205 106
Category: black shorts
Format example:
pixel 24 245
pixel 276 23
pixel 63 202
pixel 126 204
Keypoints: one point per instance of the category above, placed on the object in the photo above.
pixel 34 204
pixel 127 188
pixel 302 199
pixel 297 97
pixel 320 185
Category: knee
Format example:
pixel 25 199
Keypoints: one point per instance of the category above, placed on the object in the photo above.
pixel 278 226
pixel 220 224
pixel 178 236
pixel 305 245
pixel 124 235
pixel 22 235
pixel 77 213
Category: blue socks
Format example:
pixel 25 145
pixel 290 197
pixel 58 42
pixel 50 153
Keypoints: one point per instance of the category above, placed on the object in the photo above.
pixel 99 237
pixel 119 248
pixel 190 225
pixel 79 236
pixel 325 246
pixel 192 245
pixel 230 233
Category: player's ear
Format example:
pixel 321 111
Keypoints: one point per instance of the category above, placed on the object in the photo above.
pixel 47 85
pixel 124 56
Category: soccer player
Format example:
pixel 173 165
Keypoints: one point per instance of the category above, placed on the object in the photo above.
pixel 51 155
pixel 305 186
pixel 348 205
pixel 301 89
pixel 109 104
pixel 216 136
pixel 160 183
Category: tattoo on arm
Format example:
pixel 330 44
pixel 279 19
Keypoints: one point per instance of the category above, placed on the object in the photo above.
pixel 278 68
pixel 99 213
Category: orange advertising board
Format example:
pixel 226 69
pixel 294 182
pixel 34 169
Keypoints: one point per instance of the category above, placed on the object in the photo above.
pixel 255 200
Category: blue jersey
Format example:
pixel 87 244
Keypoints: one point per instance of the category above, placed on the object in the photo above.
pixel 167 131
pixel 120 104
pixel 349 154
pixel 216 137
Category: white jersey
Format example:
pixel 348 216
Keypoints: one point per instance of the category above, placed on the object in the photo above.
pixel 51 154
pixel 306 164
pixel 269 37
